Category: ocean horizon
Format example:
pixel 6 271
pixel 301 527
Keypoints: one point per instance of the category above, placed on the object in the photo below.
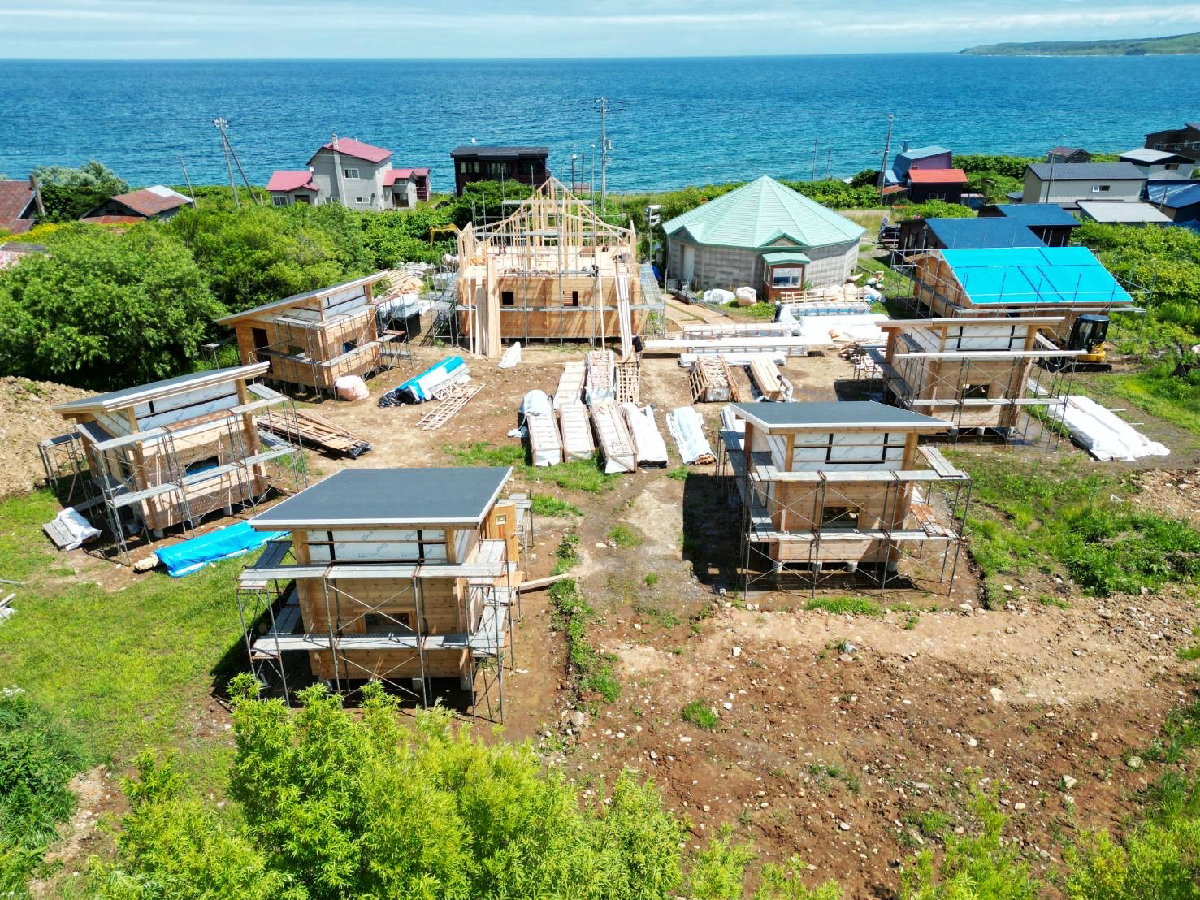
pixel 673 121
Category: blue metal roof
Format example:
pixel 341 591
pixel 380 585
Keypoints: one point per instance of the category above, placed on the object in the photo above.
pixel 1174 196
pixel 1035 214
pixel 965 234
pixel 1034 275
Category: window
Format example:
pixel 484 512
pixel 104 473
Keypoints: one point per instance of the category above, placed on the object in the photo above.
pixel 507 298
pixel 839 517
pixel 976 391
pixel 293 350
pixel 1100 188
pixel 387 623
pixel 570 298
pixel 347 346
pixel 359 200
pixel 867 449
pixel 280 201
pixel 462 167
pixel 425 546
pixel 350 173
pixel 786 277
pixel 202 465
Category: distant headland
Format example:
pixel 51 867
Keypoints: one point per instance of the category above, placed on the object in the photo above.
pixel 1175 44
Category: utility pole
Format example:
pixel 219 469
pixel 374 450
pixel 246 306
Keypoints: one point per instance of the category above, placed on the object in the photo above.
pixel 592 189
pixel 604 148
pixel 573 156
pixel 220 123
pixel 187 179
pixel 813 176
pixel 887 149
pixel 828 165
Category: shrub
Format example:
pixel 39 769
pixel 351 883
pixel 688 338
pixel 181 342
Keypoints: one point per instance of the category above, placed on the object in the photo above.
pixel 69 194
pixel 105 310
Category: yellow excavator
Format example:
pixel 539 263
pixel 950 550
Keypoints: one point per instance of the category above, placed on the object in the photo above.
pixel 1088 333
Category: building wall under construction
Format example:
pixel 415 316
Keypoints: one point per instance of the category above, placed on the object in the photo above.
pixel 312 356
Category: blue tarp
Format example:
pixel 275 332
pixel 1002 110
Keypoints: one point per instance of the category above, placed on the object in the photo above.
pixel 188 556
pixel 420 388
pixel 1034 275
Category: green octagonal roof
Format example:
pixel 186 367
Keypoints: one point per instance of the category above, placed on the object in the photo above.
pixel 765 213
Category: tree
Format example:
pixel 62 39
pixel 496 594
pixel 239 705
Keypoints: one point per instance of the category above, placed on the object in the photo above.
pixel 70 193
pixel 104 310
pixel 332 805
pixel 259 254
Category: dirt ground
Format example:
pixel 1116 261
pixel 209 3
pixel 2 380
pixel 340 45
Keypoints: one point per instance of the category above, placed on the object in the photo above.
pixel 834 733
pixel 26 418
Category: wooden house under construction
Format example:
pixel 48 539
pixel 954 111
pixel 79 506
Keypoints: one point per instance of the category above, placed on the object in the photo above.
pixel 393 575
pixel 310 340
pixel 1063 282
pixel 971 372
pixel 164 454
pixel 842 487
pixel 552 270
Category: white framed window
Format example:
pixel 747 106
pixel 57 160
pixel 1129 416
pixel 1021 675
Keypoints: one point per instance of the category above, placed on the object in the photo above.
pixel 1101 188
pixel 359 200
pixel 786 277
pixel 350 173
pixel 280 201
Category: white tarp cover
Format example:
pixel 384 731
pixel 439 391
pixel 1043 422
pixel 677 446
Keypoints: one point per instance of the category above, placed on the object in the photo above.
pixel 351 387
pixel 1101 432
pixel 825 331
pixel 616 446
pixel 747 293
pixel 70 530
pixel 648 443
pixel 687 428
pixel 718 295
pixel 511 356
pixel 536 403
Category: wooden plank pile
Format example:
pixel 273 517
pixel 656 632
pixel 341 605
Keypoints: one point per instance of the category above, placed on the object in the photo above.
pixel 600 365
pixel 616 446
pixel 311 429
pixel 545 445
pixel 570 384
pixel 450 401
pixel 576 431
pixel 767 377
pixel 629 381
pixel 711 381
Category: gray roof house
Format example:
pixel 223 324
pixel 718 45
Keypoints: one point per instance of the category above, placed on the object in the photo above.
pixel 762 235
pixel 1155 162
pixel 1068 183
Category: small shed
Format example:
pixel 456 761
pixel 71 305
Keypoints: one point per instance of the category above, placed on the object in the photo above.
pixel 1154 162
pixel 964 234
pixel 312 339
pixel 1179 202
pixel 1068 155
pixel 1108 212
pixel 157 202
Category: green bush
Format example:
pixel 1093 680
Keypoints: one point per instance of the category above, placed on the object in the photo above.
pixel 37 760
pixel 69 194
pixel 105 310
pixel 855 606
pixel 334 806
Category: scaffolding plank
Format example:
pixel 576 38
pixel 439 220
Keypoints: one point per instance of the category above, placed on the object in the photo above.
pixel 570 384
pixel 576 431
pixel 615 444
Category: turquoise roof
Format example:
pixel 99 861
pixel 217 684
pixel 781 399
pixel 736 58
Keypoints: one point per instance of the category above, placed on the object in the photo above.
pixel 1034 275
pixel 783 257
pixel 762 214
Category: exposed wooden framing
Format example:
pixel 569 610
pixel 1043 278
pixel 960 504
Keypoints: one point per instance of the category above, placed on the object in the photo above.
pixel 551 270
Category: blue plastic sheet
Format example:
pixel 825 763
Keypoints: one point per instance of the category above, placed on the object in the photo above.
pixel 189 556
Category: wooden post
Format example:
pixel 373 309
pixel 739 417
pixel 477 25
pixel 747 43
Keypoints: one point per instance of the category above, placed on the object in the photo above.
pixel 251 434
pixel 141 478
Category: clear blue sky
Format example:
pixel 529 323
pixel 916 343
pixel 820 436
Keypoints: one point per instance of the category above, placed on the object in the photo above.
pixel 174 29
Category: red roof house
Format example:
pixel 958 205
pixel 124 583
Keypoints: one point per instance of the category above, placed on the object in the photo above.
pixel 356 149
pixel 936 184
pixel 356 175
pixel 17 205
pixel 157 202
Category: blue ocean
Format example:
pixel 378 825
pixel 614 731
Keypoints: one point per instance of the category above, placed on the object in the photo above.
pixel 672 122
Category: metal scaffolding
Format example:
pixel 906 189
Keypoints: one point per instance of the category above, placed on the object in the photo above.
pixel 885 527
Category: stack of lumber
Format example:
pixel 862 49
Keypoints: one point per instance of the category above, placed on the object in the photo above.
pixel 686 426
pixel 309 428
pixel 648 445
pixel 616 446
pixel 545 446
pixel 576 431
pixel 711 381
pixel 709 330
pixel 771 384
pixel 600 375
pixel 629 381
pixel 570 384
pixel 792 346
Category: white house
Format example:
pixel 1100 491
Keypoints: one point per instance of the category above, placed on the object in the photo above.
pixel 357 175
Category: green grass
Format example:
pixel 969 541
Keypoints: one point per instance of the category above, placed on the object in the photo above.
pixel 651 579
pixel 701 715
pixel 1057 519
pixel 679 473
pixel 1162 395
pixel 1189 653
pixel 756 311
pixel 591 670
pixel 125 669
pixel 583 475
pixel 854 606
pixel 545 505
pixel 624 536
